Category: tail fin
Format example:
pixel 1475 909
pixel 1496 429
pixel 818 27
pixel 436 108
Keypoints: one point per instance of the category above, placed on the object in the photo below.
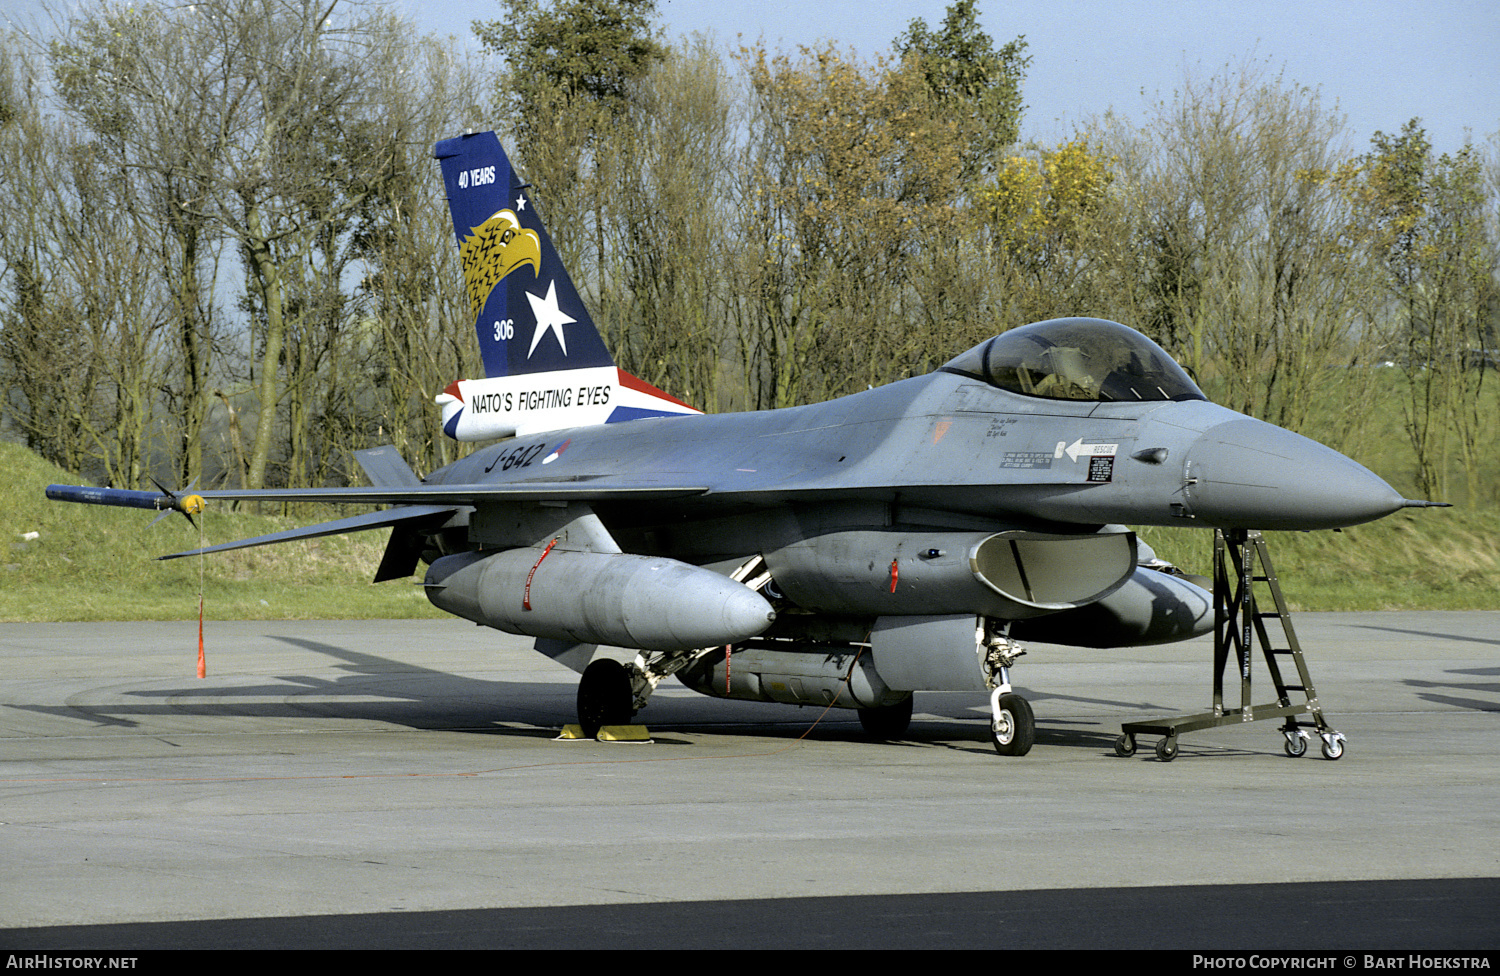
pixel 527 313
pixel 545 365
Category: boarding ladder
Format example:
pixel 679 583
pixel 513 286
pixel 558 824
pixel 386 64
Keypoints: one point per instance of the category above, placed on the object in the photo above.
pixel 1237 624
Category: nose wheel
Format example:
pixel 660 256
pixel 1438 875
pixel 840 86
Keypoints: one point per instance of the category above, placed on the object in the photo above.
pixel 1012 726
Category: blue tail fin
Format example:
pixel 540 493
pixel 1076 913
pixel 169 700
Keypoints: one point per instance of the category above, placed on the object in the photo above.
pixel 546 368
pixel 527 313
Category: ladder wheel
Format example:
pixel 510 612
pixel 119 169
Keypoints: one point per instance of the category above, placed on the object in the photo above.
pixel 1166 749
pixel 1125 746
pixel 1296 746
pixel 1333 748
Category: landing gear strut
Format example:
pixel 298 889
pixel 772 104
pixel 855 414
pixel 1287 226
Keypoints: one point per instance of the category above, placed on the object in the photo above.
pixel 1012 725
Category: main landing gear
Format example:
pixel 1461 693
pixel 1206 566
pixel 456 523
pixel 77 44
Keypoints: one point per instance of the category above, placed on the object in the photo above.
pixel 887 721
pixel 604 697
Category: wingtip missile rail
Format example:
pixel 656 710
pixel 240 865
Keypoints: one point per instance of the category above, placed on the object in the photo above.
pixel 151 501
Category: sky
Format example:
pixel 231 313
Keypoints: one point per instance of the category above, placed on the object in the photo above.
pixel 1381 62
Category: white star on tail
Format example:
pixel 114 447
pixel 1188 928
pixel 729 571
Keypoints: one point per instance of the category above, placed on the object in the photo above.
pixel 548 318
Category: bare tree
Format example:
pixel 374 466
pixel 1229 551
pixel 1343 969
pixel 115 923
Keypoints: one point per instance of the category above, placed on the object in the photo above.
pixel 1245 260
pixel 1428 221
pixel 81 315
pixel 272 124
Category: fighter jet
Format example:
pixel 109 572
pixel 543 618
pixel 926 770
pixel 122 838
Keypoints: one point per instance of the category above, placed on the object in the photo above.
pixel 852 552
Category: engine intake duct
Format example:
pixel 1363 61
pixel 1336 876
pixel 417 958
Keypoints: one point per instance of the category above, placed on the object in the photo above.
pixel 1014 574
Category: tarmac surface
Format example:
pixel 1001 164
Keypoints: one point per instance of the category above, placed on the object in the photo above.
pixel 384 781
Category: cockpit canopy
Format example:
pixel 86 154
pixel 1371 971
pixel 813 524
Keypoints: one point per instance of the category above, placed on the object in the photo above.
pixel 1077 359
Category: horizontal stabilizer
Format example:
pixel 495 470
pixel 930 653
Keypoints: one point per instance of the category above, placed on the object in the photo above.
pixel 356 523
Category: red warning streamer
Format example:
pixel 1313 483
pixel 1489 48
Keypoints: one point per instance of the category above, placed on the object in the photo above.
pixel 526 597
pixel 202 663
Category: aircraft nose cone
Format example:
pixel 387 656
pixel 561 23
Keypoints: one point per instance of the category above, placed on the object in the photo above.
pixel 1249 474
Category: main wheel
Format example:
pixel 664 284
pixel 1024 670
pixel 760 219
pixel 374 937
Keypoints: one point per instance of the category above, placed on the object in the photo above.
pixel 1014 731
pixel 604 696
pixel 887 721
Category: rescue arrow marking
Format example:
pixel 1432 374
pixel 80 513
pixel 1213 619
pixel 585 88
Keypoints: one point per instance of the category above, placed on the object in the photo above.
pixel 1079 449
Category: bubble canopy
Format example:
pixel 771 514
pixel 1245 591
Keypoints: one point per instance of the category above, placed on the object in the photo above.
pixel 1077 359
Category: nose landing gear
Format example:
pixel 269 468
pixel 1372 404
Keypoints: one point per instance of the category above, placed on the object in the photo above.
pixel 1012 725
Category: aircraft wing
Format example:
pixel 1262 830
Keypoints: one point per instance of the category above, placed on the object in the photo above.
pixel 416 505
pixel 357 523
pixel 456 495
